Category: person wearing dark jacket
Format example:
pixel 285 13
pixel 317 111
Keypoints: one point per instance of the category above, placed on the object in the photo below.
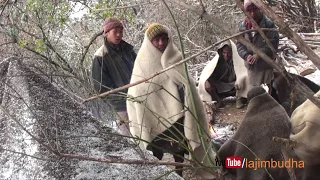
pixel 112 66
pixel 259 71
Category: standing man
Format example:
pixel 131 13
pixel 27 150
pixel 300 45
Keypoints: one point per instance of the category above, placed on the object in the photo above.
pixel 112 67
pixel 259 71
pixel 167 103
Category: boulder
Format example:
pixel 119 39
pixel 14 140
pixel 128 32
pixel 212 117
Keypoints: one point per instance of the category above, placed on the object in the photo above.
pixel 38 121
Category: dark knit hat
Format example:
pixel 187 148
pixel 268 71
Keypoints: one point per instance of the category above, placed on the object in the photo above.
pixel 111 23
pixel 155 29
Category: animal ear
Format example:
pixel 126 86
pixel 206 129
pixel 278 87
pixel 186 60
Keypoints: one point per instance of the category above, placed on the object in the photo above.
pixel 255 91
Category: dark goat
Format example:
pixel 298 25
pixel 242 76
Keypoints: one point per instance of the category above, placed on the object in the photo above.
pixel 286 96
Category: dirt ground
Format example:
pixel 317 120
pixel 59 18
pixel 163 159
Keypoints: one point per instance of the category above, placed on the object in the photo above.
pixel 229 114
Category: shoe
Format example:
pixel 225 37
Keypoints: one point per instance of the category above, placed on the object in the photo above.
pixel 239 103
pixel 219 104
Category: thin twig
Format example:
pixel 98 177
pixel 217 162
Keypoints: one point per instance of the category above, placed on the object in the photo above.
pixel 40 74
pixel 125 7
pixel 56 124
pixel 202 7
pixel 24 154
pixel 49 45
pixel 290 143
pixel 45 57
pixel 201 130
pixel 93 38
pixel 122 161
pixel 4 7
pixel 289 169
pixel 265 168
pixel 10 42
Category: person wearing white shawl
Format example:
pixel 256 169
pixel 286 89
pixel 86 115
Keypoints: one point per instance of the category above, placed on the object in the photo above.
pixel 157 104
pixel 230 74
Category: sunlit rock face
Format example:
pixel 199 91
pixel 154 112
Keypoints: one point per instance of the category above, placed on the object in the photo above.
pixel 36 118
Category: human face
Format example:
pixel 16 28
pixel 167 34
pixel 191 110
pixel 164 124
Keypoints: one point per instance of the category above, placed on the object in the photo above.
pixel 115 35
pixel 160 42
pixel 254 12
pixel 226 53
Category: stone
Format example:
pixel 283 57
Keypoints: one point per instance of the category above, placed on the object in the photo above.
pixel 35 115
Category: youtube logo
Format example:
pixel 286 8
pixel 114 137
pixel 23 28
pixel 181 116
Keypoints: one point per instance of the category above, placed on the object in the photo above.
pixel 234 162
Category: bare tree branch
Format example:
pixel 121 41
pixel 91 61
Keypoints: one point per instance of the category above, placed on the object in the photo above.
pixel 93 38
pixel 11 42
pixel 114 159
pixel 289 169
pixel 202 6
pixel 24 154
pixel 125 7
pixel 48 44
pixel 4 7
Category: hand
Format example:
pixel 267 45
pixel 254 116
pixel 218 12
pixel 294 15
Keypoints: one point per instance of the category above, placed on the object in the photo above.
pixel 249 58
pixel 254 59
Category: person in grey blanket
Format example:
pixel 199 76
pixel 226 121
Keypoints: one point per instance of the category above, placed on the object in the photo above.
pixel 166 113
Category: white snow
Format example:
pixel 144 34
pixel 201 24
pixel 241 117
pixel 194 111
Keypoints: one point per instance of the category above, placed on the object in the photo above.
pixel 223 133
pixel 315 77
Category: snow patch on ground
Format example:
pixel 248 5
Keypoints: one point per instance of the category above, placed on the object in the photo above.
pixel 223 133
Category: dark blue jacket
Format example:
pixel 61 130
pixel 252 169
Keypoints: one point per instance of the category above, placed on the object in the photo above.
pixel 112 68
pixel 259 42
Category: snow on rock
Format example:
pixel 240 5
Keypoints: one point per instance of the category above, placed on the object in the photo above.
pixel 36 116
pixel 315 77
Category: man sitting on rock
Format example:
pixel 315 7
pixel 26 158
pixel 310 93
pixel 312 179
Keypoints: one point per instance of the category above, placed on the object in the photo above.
pixel 225 75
